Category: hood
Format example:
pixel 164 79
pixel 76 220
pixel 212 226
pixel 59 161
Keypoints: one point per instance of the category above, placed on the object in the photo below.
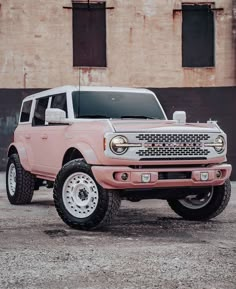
pixel 170 126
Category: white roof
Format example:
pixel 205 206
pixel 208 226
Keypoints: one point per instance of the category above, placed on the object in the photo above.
pixel 70 88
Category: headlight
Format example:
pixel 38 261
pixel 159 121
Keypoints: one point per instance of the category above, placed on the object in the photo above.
pixel 220 144
pixel 117 145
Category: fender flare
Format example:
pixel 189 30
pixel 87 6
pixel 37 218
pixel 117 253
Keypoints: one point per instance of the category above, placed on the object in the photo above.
pixel 21 151
pixel 87 152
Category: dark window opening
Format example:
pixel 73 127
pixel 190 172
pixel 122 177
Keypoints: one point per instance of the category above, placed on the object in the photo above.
pixel 40 109
pixel 59 101
pixel 89 34
pixel 198 36
pixel 25 113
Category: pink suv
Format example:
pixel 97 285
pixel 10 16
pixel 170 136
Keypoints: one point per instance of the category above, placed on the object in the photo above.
pixel 99 145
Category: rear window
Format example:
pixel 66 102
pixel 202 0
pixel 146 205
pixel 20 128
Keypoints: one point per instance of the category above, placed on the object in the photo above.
pixel 25 112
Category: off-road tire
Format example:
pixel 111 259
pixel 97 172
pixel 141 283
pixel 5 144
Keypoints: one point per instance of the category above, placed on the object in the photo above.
pixel 218 202
pixel 108 202
pixel 24 189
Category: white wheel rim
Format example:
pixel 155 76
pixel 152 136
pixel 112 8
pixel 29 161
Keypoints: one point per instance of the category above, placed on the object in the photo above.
pixel 194 202
pixel 80 195
pixel 12 179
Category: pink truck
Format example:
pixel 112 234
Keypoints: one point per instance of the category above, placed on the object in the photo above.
pixel 99 145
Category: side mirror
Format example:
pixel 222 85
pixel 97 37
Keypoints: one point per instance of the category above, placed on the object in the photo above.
pixel 55 115
pixel 179 117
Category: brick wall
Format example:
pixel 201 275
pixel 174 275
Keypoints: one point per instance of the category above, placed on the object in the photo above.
pixel 143 46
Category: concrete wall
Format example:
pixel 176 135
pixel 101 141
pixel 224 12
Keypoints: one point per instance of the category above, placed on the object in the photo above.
pixel 143 46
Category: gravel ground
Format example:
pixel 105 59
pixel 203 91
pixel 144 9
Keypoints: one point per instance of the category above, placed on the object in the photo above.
pixel 147 246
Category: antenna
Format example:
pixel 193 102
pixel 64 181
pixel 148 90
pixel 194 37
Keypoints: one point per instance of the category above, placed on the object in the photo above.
pixel 79 78
pixel 79 90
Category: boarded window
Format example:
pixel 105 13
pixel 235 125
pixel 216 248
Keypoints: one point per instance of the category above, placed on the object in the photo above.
pixel 89 34
pixel 197 36
pixel 25 113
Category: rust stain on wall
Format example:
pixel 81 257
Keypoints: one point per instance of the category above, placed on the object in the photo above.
pixel 201 76
pixel 131 35
pixel 86 69
pixel 176 13
pixel 86 75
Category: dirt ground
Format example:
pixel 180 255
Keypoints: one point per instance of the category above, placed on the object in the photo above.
pixel 147 246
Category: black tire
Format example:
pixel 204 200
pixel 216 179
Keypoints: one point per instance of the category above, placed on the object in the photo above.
pixel 108 200
pixel 218 202
pixel 24 188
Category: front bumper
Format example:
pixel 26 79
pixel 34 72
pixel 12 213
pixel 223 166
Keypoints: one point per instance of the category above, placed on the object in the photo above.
pixel 110 177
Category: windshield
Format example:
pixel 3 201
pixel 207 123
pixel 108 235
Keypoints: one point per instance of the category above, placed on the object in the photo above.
pixel 112 104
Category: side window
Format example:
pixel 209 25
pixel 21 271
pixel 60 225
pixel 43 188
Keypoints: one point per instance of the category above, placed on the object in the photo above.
pixel 59 101
pixel 40 108
pixel 25 112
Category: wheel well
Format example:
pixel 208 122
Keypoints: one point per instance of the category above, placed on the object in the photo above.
pixel 71 154
pixel 12 151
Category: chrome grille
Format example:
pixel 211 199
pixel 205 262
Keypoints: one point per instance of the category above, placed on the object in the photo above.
pixel 173 145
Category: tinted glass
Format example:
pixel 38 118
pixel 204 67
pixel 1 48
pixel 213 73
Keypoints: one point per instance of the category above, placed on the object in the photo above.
pixel 110 104
pixel 25 113
pixel 59 101
pixel 39 114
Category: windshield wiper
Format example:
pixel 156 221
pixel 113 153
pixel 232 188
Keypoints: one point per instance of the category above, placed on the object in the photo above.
pixel 93 116
pixel 137 116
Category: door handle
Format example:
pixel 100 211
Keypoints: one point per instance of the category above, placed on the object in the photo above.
pixel 27 136
pixel 44 136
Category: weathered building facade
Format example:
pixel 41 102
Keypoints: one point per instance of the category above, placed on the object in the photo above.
pixel 184 50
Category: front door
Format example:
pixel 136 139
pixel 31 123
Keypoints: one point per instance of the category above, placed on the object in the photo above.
pixel 48 140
